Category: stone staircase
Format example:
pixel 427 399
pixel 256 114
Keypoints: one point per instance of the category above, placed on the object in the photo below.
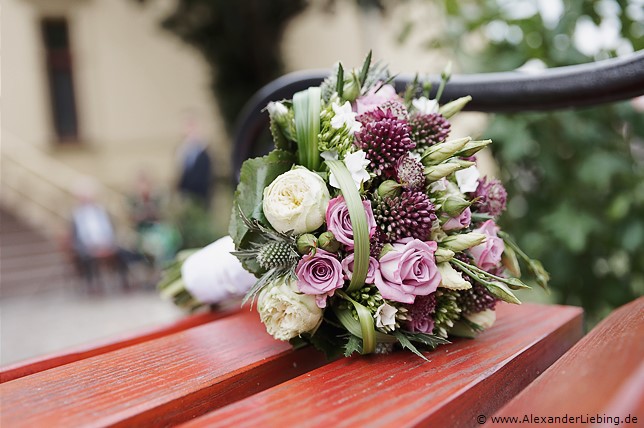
pixel 30 263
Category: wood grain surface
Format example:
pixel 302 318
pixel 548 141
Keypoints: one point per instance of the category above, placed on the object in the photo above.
pixel 601 375
pixel 46 362
pixel 158 382
pixel 459 382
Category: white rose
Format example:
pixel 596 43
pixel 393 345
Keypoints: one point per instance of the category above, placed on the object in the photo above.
pixel 285 312
pixel 297 201
pixel 485 319
pixel 212 274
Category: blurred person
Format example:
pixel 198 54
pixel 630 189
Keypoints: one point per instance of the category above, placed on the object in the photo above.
pixel 156 239
pixel 93 238
pixel 195 163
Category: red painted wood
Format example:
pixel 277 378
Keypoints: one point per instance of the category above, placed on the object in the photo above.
pixel 159 382
pixel 46 362
pixel 603 374
pixel 459 382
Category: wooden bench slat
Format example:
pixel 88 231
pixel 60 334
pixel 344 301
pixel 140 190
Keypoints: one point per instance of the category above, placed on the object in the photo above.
pixel 49 361
pixel 602 374
pixel 163 381
pixel 459 382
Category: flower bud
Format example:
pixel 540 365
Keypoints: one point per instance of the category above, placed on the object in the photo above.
pixel 327 242
pixel 436 172
pixel 451 108
pixel 463 241
pixel 473 147
pixel 306 243
pixel 454 205
pixel 389 189
pixel 277 111
pixel 351 89
pixel 443 151
pixel 510 262
pixel 443 255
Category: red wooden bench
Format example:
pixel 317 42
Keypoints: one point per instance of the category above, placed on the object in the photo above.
pixel 230 372
pixel 217 370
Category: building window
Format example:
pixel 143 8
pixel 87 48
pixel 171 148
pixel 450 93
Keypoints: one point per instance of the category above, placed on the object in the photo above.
pixel 61 83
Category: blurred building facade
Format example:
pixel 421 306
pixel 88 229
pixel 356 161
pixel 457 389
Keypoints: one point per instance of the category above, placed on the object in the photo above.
pixel 97 88
pixel 93 88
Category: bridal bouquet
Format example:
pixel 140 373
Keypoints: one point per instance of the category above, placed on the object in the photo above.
pixel 368 226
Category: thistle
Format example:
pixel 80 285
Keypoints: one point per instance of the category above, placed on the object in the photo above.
pixel 384 138
pixel 428 129
pixel 276 254
pixel 409 215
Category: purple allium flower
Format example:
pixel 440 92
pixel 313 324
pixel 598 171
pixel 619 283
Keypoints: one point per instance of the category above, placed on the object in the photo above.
pixel 319 274
pixel 428 129
pixel 493 197
pixel 420 314
pixel 409 173
pixel 409 215
pixel 475 299
pixel 384 138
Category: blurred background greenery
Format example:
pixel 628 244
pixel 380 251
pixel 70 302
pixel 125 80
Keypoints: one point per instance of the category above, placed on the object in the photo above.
pixel 575 177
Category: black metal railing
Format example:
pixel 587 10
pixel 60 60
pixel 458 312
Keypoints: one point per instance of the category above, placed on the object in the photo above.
pixel 557 88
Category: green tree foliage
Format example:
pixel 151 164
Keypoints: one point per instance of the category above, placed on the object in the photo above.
pixel 575 178
pixel 239 39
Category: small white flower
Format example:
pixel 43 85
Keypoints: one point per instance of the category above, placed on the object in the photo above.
pixel 425 105
pixel 213 275
pixel 344 116
pixel 276 109
pixel 356 163
pixel 386 316
pixel 468 179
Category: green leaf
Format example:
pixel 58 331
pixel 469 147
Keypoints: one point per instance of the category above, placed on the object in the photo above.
pixel 430 340
pixel 256 175
pixel 339 87
pixel 358 222
pixel 406 343
pixel 306 106
pixel 354 344
pixel 365 68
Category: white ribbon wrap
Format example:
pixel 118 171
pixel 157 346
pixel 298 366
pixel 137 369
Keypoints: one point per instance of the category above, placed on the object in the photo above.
pixel 213 275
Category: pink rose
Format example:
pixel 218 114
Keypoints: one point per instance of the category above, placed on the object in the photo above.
pixel 488 254
pixel 459 222
pixel 372 99
pixel 319 274
pixel 347 267
pixel 409 270
pixel 339 222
